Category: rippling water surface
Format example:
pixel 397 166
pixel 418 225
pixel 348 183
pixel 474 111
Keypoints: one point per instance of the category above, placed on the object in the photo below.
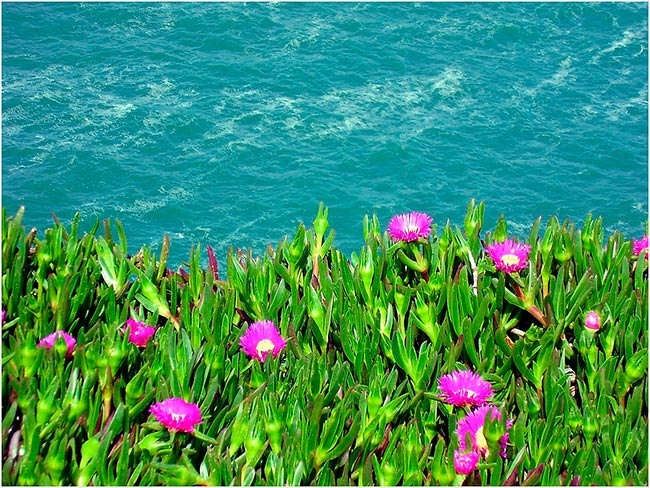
pixel 225 124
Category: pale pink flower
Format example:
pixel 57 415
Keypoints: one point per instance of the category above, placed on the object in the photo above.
pixel 48 341
pixel 592 320
pixel 473 425
pixel 639 245
pixel 262 338
pixel 176 414
pixel 509 256
pixel 464 388
pixel 139 332
pixel 410 227
pixel 465 462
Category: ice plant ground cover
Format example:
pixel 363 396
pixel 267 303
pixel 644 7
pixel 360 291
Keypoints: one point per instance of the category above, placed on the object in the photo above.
pixel 361 382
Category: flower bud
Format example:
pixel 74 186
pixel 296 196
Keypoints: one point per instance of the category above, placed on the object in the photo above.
pixel 443 473
pixel 254 448
pixel 55 461
pixel 443 242
pixel 297 246
pixel 239 431
pixel 374 403
pixel 77 407
pixel 152 443
pixel 590 426
pixel 135 389
pixel 575 421
pixel 533 404
pixel 471 222
pixel 388 474
pixel 273 429
pixel 180 475
pixel 320 222
pixel 116 355
pixel 422 310
pixel 501 230
pixel 28 358
pixel 563 255
pixel 636 367
pixel 592 320
pixel 315 309
pixel 44 410
pixel 400 302
pixel 563 248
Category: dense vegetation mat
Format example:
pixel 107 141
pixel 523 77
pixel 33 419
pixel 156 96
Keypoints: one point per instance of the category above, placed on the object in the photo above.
pixel 433 356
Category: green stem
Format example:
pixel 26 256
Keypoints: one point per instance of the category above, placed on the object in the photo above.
pixel 205 438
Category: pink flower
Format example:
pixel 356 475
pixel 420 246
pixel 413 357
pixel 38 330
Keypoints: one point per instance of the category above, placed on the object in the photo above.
pixel 464 388
pixel 262 338
pixel 466 462
pixel 48 341
pixel 139 332
pixel 176 414
pixel 409 227
pixel 509 256
pixel 473 425
pixel 592 320
pixel 640 245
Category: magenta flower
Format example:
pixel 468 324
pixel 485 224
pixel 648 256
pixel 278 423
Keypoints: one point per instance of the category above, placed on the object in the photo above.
pixel 465 462
pixel 473 425
pixel 139 332
pixel 639 245
pixel 508 256
pixel 409 227
pixel 262 338
pixel 592 320
pixel 464 388
pixel 48 341
pixel 176 414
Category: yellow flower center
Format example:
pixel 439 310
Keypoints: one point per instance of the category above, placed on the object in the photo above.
pixel 481 441
pixel 176 417
pixel 470 394
pixel 508 259
pixel 265 345
pixel 412 227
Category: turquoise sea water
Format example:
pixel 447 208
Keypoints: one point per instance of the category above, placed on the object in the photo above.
pixel 225 124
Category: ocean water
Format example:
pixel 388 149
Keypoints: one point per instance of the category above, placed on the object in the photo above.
pixel 225 124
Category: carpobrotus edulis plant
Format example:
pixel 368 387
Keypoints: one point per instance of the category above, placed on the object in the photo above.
pixel 436 355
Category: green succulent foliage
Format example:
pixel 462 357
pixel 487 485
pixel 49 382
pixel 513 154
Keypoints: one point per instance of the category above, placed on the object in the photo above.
pixel 353 398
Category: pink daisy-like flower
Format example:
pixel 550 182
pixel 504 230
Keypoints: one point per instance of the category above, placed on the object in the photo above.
pixel 409 227
pixel 261 338
pixel 473 425
pixel 639 245
pixel 464 388
pixel 465 462
pixel 592 320
pixel 48 341
pixel 509 256
pixel 139 332
pixel 176 414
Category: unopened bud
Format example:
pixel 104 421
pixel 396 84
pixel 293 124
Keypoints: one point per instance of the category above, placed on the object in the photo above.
pixel 592 320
